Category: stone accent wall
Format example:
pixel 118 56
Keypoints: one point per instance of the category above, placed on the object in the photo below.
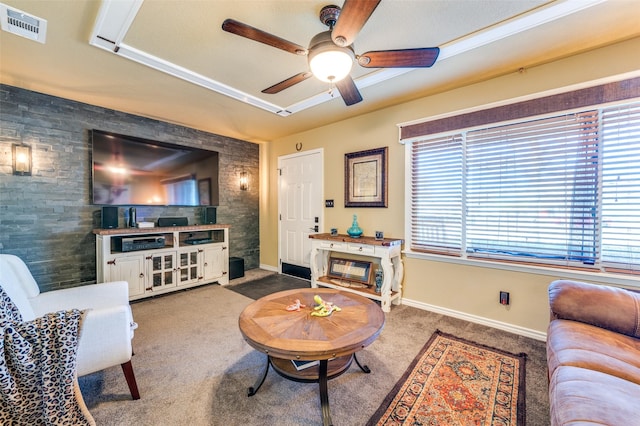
pixel 47 218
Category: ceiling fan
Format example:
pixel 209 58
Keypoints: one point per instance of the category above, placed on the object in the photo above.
pixel 331 54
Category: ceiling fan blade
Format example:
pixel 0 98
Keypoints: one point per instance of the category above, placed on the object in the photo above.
pixel 348 90
pixel 285 84
pixel 238 28
pixel 353 16
pixel 403 58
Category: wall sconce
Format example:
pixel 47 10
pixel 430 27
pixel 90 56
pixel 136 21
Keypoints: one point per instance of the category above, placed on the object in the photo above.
pixel 244 181
pixel 21 160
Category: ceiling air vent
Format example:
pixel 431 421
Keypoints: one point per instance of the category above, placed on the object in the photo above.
pixel 21 23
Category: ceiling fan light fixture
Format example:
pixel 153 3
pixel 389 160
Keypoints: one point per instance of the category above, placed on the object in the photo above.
pixel 331 66
pixel 328 62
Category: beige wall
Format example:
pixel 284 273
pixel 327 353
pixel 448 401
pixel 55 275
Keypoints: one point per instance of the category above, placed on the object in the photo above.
pixel 462 289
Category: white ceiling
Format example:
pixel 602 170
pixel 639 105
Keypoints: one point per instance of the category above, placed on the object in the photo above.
pixel 479 39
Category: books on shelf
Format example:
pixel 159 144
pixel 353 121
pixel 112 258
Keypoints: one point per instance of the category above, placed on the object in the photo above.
pixel 301 365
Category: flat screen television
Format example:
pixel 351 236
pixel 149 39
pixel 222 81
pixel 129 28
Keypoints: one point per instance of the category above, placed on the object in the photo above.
pixel 131 171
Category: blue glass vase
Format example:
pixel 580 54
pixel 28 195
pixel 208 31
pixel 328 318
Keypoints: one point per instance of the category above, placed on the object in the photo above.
pixel 355 231
pixel 379 279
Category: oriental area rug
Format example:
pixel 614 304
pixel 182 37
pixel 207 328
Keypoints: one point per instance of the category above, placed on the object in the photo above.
pixel 453 381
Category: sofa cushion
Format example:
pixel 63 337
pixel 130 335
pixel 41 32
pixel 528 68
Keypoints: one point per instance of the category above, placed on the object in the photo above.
pixel 578 396
pixel 607 307
pixel 571 343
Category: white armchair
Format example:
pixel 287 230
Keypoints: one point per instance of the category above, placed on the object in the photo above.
pixel 107 328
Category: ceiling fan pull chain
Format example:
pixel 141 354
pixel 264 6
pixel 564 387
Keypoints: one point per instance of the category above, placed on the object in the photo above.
pixel 332 87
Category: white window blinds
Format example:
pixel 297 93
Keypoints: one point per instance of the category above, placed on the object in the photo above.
pixel 531 189
pixel 436 194
pixel 621 187
pixel 561 190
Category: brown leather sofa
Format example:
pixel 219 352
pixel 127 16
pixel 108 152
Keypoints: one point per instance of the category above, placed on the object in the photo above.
pixel 593 354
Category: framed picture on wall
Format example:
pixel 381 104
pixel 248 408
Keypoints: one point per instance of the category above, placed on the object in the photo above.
pixel 365 178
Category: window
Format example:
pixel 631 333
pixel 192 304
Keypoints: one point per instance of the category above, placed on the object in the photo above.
pixel 621 187
pixel 561 190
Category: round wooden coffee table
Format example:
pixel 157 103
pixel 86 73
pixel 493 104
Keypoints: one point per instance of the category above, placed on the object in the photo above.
pixel 297 335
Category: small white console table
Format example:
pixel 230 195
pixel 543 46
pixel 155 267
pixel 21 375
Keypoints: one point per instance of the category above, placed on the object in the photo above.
pixel 163 259
pixel 386 252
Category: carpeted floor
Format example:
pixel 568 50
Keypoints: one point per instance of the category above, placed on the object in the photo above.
pixel 193 367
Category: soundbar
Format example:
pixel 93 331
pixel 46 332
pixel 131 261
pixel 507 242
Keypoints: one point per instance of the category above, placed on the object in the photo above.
pixel 172 221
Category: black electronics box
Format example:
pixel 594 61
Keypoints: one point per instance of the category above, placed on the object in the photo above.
pixel 172 221
pixel 236 267
pixel 143 242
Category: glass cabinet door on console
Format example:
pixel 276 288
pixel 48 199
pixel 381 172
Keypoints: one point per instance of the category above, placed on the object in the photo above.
pixel 189 266
pixel 162 270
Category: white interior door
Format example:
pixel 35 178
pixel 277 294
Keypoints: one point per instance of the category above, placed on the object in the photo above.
pixel 300 205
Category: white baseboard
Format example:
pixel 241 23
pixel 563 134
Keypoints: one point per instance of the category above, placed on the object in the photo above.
pixel 526 332
pixel 268 268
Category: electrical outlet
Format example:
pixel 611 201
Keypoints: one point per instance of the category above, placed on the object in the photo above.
pixel 504 298
pixel 328 203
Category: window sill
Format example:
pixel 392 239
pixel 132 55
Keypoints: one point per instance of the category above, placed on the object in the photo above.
pixel 555 273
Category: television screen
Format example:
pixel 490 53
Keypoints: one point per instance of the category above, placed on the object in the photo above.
pixel 132 171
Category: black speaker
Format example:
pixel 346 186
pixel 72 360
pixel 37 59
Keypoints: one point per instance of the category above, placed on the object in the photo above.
pixel 209 216
pixel 132 217
pixel 172 221
pixel 236 267
pixel 109 218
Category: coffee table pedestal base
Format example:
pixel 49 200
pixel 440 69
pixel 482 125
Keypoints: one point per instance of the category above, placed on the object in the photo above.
pixel 326 370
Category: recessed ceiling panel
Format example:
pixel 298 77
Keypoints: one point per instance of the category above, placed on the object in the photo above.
pixel 190 34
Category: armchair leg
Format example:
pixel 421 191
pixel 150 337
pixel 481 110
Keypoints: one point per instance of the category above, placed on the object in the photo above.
pixel 127 369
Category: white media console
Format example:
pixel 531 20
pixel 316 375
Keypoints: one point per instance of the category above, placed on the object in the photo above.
pixel 160 260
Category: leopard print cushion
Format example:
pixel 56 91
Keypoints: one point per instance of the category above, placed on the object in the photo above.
pixel 38 383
